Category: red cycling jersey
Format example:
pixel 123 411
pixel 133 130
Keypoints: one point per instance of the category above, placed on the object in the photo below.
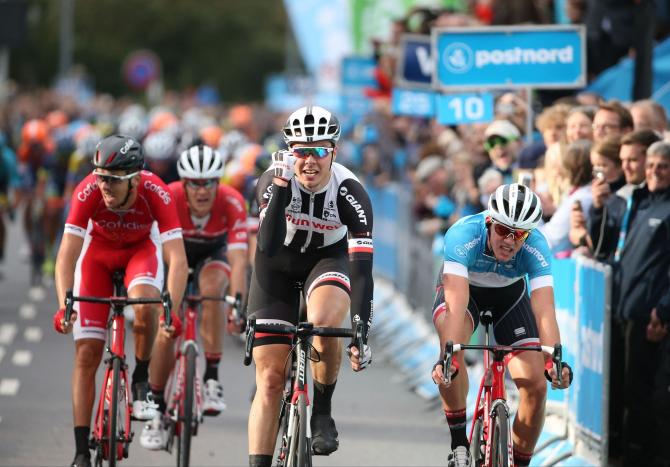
pixel 225 227
pixel 123 228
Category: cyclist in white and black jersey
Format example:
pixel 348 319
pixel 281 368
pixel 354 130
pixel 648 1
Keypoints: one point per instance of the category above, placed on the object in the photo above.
pixel 315 238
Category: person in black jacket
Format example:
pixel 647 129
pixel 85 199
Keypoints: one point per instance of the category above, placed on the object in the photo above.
pixel 637 233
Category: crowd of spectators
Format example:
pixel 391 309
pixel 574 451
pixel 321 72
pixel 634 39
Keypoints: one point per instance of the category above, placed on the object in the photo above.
pixel 601 170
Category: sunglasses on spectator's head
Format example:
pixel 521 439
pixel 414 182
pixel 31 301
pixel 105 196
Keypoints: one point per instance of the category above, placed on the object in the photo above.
pixel 494 141
pixel 504 232
pixel 113 179
pixel 318 152
pixel 207 183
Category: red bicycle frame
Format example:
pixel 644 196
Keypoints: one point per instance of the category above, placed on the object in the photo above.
pixel 491 397
pixel 101 427
pixel 177 385
pixel 111 441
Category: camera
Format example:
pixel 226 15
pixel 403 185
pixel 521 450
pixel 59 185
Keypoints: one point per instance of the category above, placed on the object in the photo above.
pixel 599 174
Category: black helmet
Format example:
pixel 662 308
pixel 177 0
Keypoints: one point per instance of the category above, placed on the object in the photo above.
pixel 118 152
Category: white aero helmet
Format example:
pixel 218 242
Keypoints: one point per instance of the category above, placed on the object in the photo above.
pixel 160 146
pixel 200 162
pixel 309 124
pixel 516 206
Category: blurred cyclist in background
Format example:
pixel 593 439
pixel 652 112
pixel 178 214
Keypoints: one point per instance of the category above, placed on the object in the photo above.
pixel 214 223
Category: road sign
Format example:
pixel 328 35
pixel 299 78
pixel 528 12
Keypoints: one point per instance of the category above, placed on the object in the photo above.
pixel 454 109
pixel 413 103
pixel 508 57
pixel 141 68
pixel 415 63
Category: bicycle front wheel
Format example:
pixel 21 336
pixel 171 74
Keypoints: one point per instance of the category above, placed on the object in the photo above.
pixel 304 443
pixel 113 412
pixel 186 409
pixel 501 449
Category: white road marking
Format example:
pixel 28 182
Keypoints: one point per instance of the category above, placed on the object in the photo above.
pixel 9 386
pixel 2 353
pixel 7 333
pixel 22 357
pixel 27 311
pixel 32 334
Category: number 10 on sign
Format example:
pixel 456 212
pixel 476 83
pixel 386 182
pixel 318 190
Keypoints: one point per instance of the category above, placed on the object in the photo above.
pixel 453 109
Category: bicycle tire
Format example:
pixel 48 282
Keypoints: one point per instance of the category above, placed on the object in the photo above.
pixel 281 447
pixel 500 450
pixel 113 412
pixel 304 443
pixel 186 410
pixel 476 443
pixel 293 447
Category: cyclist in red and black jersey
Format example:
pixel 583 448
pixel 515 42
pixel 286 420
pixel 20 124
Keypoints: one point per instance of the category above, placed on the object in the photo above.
pixel 213 218
pixel 121 218
pixel 315 239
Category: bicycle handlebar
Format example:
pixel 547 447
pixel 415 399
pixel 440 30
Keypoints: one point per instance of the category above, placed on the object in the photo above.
pixel 499 352
pixel 119 302
pixel 301 330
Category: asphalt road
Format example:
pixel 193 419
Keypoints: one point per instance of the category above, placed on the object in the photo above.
pixel 381 423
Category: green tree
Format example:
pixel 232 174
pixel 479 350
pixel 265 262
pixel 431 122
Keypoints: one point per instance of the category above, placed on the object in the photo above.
pixel 233 44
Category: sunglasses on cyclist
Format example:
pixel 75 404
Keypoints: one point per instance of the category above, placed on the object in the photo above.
pixel 505 232
pixel 494 141
pixel 113 179
pixel 317 153
pixel 195 184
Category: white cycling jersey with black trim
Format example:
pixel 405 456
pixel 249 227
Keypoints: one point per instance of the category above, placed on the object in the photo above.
pixel 318 219
pixel 466 254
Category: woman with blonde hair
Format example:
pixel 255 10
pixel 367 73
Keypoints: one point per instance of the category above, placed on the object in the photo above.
pixel 575 169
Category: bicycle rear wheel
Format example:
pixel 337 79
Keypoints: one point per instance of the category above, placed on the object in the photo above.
pixel 501 450
pixel 186 411
pixel 113 413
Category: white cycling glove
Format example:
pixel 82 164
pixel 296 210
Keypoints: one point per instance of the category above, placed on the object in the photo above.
pixel 283 165
pixel 364 359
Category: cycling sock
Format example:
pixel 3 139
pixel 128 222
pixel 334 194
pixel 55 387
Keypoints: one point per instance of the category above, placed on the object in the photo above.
pixel 457 424
pixel 141 372
pixel 260 460
pixel 81 434
pixel 521 458
pixel 159 398
pixel 212 366
pixel 323 394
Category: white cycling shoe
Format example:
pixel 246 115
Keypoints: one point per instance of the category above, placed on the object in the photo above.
pixel 144 407
pixel 459 457
pixel 154 434
pixel 213 402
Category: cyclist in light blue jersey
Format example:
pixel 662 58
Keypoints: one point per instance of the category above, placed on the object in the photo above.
pixel 487 258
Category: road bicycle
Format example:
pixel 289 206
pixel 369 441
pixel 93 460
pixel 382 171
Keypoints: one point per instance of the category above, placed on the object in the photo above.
pixel 112 434
pixel 294 445
pixel 184 402
pixel 491 442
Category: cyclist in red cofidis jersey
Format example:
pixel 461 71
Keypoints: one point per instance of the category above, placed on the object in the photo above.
pixel 121 218
pixel 214 219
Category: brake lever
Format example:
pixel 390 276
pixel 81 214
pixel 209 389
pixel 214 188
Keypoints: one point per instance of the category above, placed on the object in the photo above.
pixel 557 358
pixel 448 357
pixel 166 301
pixel 69 305
pixel 249 345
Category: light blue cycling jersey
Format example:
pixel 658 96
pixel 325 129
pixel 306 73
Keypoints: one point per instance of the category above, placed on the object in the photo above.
pixel 465 255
